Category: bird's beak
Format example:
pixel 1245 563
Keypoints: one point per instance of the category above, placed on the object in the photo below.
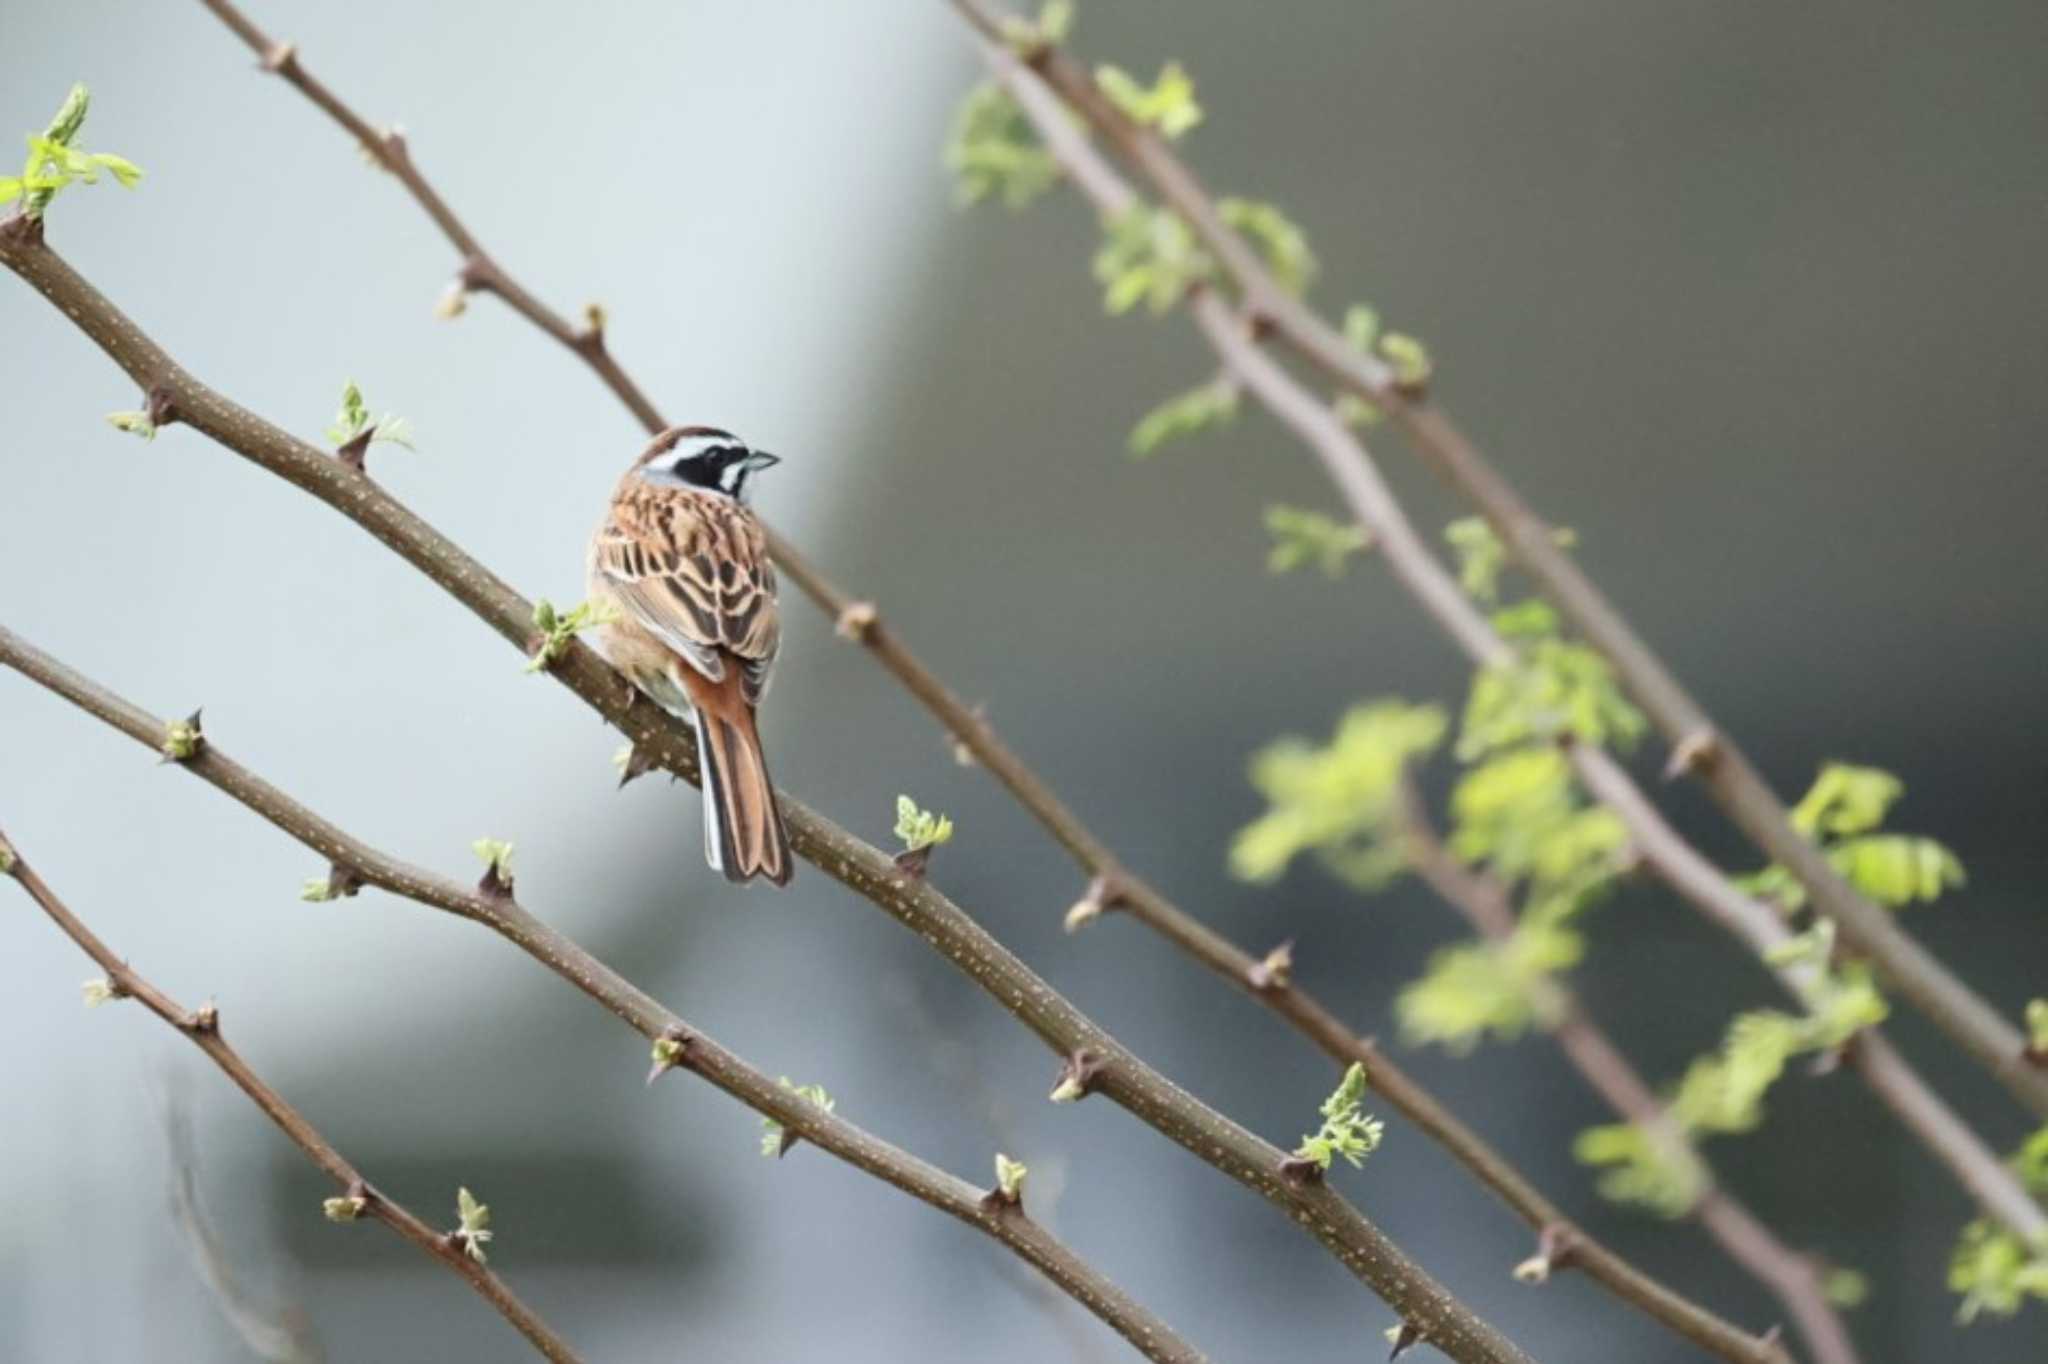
pixel 759 460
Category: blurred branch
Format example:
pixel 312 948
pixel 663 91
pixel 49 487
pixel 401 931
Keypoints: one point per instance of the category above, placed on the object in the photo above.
pixel 1424 1305
pixel 1710 754
pixel 1412 563
pixel 201 1027
pixel 691 1049
pixel 1794 1279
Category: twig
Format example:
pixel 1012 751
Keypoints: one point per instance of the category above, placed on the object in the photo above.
pixel 694 1050
pixel 1357 1243
pixel 1358 480
pixel 201 1027
pixel 1728 774
pixel 1791 1277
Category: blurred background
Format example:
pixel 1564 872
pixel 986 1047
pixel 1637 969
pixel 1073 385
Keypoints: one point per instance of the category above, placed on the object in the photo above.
pixel 1752 295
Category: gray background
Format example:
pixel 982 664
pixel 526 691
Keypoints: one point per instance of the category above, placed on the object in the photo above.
pixel 1750 294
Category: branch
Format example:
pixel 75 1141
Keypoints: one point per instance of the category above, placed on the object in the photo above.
pixel 1356 1242
pixel 201 1028
pixel 1358 480
pixel 1790 1276
pixel 690 1048
pixel 1729 775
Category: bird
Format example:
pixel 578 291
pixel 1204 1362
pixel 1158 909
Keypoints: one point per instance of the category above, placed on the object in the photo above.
pixel 682 562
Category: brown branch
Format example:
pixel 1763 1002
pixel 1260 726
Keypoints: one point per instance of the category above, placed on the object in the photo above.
pixel 1793 1278
pixel 201 1027
pixel 1135 1086
pixel 1728 774
pixel 694 1050
pixel 1358 480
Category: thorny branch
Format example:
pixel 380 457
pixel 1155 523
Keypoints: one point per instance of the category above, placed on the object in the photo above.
pixel 1410 560
pixel 690 1048
pixel 1713 755
pixel 1124 1078
pixel 201 1027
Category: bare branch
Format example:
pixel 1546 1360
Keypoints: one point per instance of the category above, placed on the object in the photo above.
pixel 1728 774
pixel 201 1027
pixel 688 1048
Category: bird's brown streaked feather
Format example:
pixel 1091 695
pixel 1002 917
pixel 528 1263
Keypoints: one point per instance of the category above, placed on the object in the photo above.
pixel 692 568
pixel 750 838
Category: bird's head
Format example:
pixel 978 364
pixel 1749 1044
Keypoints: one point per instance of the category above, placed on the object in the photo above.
pixel 702 457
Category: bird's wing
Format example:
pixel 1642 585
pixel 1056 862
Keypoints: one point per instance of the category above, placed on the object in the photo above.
pixel 692 568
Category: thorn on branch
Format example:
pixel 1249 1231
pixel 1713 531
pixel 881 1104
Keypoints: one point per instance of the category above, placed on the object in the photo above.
pixel 1077 1077
pixel 350 1206
pixel 477 275
pixel 1402 1338
pixel 352 451
pixel 1693 754
pixel 857 621
pixel 183 739
pixel 591 337
pixel 339 884
pixel 1302 1170
pixel 282 57
pixel 1276 972
pixel 963 754
pixel 204 1020
pixel 633 764
pixel 1103 894
pixel 105 990
pixel 21 231
pixel 1554 1247
pixel 670 1050
pixel 158 408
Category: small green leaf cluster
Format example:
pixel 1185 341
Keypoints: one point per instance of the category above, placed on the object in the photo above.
pixel 497 856
pixel 1027 37
pixel 774 1140
pixel 993 150
pixel 53 163
pixel 354 420
pixel 1342 800
pixel 1843 811
pixel 1991 1267
pixel 920 829
pixel 473 1225
pixel 557 628
pixel 1310 537
pixel 1347 1130
pixel 1409 359
pixel 1638 1168
pixel 1151 256
pixel 1553 689
pixel 1283 244
pixel 1010 1178
pixel 1185 414
pixel 1168 104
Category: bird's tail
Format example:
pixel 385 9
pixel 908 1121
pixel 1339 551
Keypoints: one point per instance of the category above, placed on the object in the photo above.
pixel 743 832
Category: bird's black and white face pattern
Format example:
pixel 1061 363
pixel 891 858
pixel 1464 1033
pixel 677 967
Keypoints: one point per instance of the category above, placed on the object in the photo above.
pixel 705 458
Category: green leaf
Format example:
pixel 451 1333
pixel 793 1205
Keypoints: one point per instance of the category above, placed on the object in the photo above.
pixel 920 829
pixel 1210 405
pixel 1010 1177
pixel 1553 689
pixel 558 628
pixel 1846 799
pixel 1149 256
pixel 1846 1288
pixel 497 855
pixel 2037 1026
pixel 1028 37
pixel 1995 1272
pixel 1639 1169
pixel 124 170
pixel 1340 800
pixel 1409 359
pixel 1308 537
pixel 1347 1130
pixel 10 188
pixel 1168 104
pixel 474 1220
pixel 774 1142
pixel 993 149
pixel 1466 993
pixel 1278 239
pixel 1361 327
pixel 1897 869
pixel 1481 556
pixel 134 423
pixel 1724 1092
pixel 1532 618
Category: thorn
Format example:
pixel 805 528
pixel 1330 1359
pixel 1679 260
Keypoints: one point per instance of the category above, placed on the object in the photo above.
pixel 1403 1338
pixel 493 885
pixel 670 1050
pixel 913 861
pixel 1554 1247
pixel 1828 1060
pixel 158 407
pixel 633 764
pixel 22 230
pixel 592 335
pixel 205 1019
pixel 342 882
pixel 1774 1337
pixel 1692 754
pixel 1103 894
pixel 477 274
pixel 352 451
pixel 856 621
pixel 1276 972
pixel 281 57
pixel 1301 1170
pixel 1077 1077
pixel 788 1139
pixel 963 756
